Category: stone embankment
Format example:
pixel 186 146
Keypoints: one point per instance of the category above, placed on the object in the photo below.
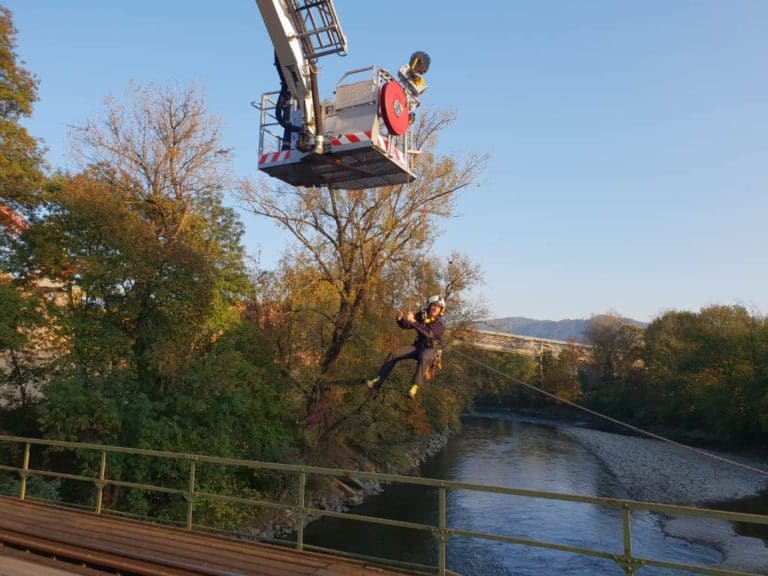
pixel 341 494
pixel 357 489
pixel 657 471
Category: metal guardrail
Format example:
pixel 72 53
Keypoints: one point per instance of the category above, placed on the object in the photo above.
pixel 627 560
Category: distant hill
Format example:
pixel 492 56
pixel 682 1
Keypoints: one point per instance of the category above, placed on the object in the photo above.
pixel 553 329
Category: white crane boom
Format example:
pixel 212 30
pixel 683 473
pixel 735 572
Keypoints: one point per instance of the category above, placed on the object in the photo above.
pixel 301 32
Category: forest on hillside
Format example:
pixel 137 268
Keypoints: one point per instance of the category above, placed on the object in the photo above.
pixel 130 314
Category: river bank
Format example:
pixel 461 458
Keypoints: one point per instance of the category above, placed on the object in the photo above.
pixel 337 495
pixel 657 471
pixel 644 469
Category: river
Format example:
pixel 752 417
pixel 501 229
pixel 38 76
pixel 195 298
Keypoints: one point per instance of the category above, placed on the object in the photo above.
pixel 516 452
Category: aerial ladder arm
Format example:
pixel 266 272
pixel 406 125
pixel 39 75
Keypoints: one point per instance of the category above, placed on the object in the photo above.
pixel 302 31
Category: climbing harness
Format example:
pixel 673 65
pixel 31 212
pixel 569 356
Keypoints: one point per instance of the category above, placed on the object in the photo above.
pixel 436 365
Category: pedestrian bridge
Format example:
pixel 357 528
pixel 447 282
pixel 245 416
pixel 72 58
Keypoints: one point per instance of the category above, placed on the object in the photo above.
pixel 527 345
pixel 96 540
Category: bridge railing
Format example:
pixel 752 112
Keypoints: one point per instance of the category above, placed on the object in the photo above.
pixel 626 558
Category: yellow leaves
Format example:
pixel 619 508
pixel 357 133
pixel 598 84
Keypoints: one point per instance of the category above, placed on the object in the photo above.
pixel 417 419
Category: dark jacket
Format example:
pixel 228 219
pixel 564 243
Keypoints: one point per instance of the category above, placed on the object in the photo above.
pixel 428 332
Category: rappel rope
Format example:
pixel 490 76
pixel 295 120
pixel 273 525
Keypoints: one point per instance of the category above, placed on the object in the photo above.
pixel 608 418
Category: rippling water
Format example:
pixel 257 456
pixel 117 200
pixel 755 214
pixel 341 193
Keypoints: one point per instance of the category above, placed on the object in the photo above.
pixel 508 451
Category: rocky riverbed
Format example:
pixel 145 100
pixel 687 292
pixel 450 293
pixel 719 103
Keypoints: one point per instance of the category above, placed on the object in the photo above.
pixel 657 471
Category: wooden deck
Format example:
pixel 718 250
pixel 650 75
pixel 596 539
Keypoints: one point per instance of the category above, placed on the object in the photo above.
pixel 63 540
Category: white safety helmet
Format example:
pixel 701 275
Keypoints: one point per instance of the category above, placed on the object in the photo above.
pixel 436 299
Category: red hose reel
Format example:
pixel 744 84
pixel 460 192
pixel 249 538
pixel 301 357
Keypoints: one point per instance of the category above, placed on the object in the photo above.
pixel 394 108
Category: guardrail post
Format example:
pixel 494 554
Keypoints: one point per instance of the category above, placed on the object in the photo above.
pixel 442 523
pixel 302 512
pixel 627 562
pixel 24 472
pixel 100 482
pixel 191 494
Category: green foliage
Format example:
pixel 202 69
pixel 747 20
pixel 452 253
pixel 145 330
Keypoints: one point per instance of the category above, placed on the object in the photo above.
pixel 20 181
pixel 151 300
pixel 709 369
pixel 20 156
pixel 25 361
pixel 615 383
pixel 699 376
pixel 444 401
pixel 226 405
pixel 81 410
pixel 37 487
pixel 495 390
pixel 18 313
pixel 560 375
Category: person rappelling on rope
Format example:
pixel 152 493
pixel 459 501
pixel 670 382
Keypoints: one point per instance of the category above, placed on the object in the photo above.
pixel 425 349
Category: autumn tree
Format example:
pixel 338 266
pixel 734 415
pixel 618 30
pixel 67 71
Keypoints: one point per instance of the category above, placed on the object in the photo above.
pixel 151 270
pixel 160 152
pixel 708 369
pixel 24 350
pixel 617 345
pixel 560 375
pixel 615 382
pixel 492 389
pixel 25 353
pixel 20 154
pixel 349 239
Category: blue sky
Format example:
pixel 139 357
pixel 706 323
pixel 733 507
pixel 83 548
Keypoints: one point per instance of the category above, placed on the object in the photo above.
pixel 628 140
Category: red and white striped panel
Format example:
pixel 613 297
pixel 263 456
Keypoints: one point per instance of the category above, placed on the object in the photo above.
pixel 272 157
pixel 382 143
pixel 398 154
pixel 378 140
pixel 353 138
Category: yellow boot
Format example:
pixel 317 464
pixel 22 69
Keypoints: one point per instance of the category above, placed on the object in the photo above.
pixel 412 392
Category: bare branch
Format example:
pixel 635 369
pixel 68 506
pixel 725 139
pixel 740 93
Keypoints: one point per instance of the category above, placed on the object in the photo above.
pixel 165 140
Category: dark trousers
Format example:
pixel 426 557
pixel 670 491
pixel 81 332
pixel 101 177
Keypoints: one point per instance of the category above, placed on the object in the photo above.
pixel 424 359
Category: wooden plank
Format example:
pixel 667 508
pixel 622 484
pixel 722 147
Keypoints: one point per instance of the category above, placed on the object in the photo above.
pixel 19 563
pixel 16 567
pixel 112 541
pixel 95 558
pixel 148 542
